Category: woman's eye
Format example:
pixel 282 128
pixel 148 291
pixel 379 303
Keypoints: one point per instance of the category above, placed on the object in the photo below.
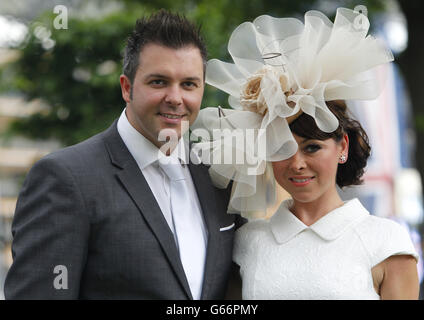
pixel 311 148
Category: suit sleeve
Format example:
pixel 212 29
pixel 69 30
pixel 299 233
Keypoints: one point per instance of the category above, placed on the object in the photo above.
pixel 50 235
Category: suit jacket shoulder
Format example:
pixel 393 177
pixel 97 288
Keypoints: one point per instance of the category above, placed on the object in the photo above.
pixel 88 209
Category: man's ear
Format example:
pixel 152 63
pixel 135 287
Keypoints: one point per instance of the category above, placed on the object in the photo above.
pixel 125 88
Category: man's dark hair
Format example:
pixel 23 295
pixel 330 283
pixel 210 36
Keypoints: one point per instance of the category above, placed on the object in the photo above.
pixel 164 28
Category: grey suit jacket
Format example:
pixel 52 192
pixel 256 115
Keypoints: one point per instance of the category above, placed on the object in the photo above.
pixel 89 210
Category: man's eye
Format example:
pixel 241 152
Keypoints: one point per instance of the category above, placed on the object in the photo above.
pixel 311 148
pixel 190 84
pixel 157 82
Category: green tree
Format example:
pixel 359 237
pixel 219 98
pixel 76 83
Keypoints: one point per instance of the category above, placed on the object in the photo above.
pixel 78 78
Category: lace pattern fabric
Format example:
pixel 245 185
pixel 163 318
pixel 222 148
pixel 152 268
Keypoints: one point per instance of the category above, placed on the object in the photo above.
pixel 332 259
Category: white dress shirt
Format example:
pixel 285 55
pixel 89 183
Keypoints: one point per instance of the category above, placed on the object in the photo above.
pixel 146 155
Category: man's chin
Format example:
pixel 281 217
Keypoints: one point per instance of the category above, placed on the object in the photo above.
pixel 174 130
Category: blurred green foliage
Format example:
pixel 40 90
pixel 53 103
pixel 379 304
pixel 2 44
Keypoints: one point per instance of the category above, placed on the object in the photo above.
pixel 78 77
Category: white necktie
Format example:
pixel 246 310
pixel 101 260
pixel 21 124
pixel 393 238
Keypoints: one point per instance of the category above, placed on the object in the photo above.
pixel 188 228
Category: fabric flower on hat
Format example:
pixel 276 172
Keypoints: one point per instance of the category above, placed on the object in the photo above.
pixel 282 68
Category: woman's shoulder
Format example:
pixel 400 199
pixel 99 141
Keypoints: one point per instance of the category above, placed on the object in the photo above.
pixel 378 227
pixel 384 237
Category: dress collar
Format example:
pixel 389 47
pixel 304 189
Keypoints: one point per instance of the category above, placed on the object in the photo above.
pixel 285 225
pixel 144 152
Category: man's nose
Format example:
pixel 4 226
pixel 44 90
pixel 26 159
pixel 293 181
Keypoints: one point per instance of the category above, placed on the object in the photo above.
pixel 174 96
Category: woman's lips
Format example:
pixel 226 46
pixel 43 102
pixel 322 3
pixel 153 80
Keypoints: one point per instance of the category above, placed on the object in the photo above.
pixel 300 181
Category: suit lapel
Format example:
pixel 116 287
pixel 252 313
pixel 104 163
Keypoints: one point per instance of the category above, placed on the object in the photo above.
pixel 206 195
pixel 136 185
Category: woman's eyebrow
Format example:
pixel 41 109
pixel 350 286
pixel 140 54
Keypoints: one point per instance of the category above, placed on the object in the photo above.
pixel 304 140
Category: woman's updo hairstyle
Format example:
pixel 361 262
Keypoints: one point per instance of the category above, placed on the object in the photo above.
pixel 351 171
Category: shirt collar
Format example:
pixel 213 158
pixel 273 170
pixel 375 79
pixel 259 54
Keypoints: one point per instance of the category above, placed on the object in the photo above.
pixel 144 152
pixel 285 225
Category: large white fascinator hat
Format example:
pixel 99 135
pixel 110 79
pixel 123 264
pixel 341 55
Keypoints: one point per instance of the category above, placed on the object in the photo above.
pixel 282 67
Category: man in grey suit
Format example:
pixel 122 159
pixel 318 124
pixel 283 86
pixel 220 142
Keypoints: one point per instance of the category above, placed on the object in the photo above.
pixel 97 220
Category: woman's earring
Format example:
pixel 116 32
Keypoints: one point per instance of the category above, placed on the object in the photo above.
pixel 342 159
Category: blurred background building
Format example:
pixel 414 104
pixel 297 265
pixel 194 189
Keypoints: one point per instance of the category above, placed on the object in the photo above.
pixel 17 155
pixel 60 86
pixel 392 185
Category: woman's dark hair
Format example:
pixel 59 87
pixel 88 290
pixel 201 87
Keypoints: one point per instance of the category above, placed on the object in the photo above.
pixel 168 29
pixel 351 171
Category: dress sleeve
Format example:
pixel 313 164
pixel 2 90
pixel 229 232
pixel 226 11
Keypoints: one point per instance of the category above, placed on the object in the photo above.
pixel 384 238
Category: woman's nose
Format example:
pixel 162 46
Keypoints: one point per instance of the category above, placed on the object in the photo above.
pixel 297 162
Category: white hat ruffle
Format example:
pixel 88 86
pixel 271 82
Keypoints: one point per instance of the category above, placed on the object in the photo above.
pixel 281 68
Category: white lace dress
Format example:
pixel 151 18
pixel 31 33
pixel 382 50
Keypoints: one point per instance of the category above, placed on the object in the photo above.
pixel 282 258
